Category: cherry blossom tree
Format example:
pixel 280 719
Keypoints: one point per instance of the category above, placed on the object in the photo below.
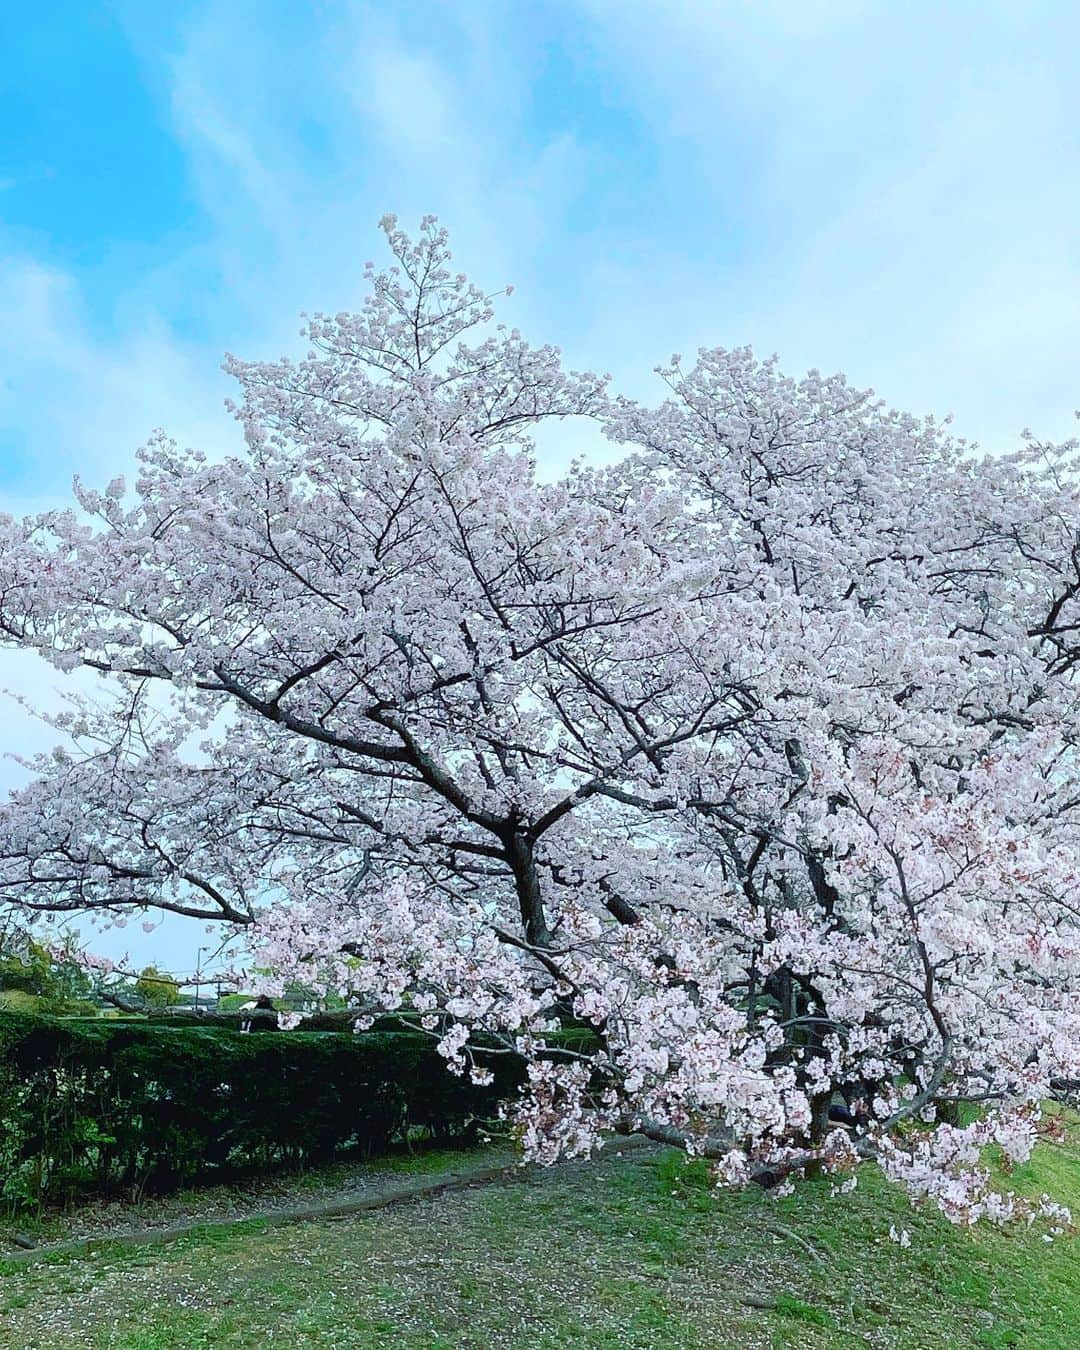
pixel 751 755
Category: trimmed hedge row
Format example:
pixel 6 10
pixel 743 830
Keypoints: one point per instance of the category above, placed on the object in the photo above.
pixel 122 1106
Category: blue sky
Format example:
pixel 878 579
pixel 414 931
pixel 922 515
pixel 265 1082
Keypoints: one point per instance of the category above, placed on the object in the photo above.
pixel 888 189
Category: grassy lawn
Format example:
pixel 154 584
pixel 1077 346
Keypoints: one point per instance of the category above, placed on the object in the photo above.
pixel 248 1196
pixel 634 1251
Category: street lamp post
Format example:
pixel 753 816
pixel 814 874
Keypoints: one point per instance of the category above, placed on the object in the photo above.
pixel 198 977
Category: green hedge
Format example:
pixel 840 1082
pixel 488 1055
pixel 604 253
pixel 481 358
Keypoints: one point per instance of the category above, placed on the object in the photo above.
pixel 121 1106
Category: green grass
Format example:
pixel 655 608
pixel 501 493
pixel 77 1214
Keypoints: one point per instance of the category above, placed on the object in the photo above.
pixel 638 1252
pixel 267 1190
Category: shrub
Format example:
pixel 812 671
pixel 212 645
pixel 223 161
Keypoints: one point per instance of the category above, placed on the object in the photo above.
pixel 157 989
pixel 110 1105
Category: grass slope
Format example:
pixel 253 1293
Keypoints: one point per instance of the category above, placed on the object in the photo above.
pixel 636 1251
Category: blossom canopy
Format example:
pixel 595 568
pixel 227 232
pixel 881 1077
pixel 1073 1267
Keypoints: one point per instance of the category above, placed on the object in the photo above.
pixel 752 754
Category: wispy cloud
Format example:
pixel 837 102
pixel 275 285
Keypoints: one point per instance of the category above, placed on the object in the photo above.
pixel 72 400
pixel 907 183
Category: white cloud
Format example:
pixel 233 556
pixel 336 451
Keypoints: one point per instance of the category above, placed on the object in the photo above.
pixel 74 401
pixel 904 185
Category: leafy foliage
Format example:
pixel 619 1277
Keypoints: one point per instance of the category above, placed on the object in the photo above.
pixel 34 978
pixel 124 1105
pixel 157 989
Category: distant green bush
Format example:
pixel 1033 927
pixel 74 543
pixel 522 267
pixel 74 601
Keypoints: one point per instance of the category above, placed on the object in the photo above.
pixel 18 1001
pixel 157 989
pixel 35 980
pixel 109 1105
